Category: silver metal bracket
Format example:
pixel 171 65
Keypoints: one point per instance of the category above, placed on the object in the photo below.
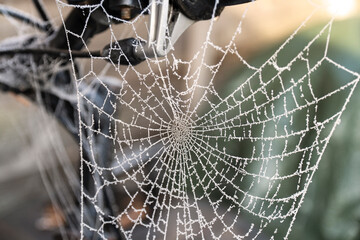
pixel 166 26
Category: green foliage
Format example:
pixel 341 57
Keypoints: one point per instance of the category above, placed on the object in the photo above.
pixel 331 209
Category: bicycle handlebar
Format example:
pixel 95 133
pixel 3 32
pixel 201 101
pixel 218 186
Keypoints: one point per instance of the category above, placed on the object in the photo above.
pixel 196 10
pixel 204 9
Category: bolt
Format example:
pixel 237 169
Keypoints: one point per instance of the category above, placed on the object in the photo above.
pixel 125 13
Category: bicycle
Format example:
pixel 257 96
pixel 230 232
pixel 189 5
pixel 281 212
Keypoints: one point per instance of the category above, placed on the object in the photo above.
pixel 114 157
pixel 175 16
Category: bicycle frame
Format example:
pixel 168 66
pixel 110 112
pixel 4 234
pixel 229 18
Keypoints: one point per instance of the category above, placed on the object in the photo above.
pixel 67 111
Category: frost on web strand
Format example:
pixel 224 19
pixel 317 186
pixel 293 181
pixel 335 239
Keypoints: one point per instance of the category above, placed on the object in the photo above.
pixel 184 161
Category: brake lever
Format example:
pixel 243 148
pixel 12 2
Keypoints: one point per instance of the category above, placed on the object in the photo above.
pixel 166 26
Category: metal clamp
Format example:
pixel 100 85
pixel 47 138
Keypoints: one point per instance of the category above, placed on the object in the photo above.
pixel 166 26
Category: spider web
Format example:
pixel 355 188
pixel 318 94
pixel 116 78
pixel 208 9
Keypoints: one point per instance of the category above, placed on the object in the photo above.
pixel 179 159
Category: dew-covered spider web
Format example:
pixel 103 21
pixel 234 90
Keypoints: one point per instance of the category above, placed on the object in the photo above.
pixel 176 156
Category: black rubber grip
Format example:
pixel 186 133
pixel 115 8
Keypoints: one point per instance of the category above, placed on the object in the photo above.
pixel 204 9
pixel 224 3
pixel 198 9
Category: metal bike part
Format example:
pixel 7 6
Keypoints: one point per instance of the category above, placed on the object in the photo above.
pixel 166 26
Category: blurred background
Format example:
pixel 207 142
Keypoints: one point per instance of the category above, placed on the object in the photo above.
pixel 31 140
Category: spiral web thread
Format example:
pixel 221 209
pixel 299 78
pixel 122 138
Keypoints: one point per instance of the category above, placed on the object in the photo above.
pixel 186 162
